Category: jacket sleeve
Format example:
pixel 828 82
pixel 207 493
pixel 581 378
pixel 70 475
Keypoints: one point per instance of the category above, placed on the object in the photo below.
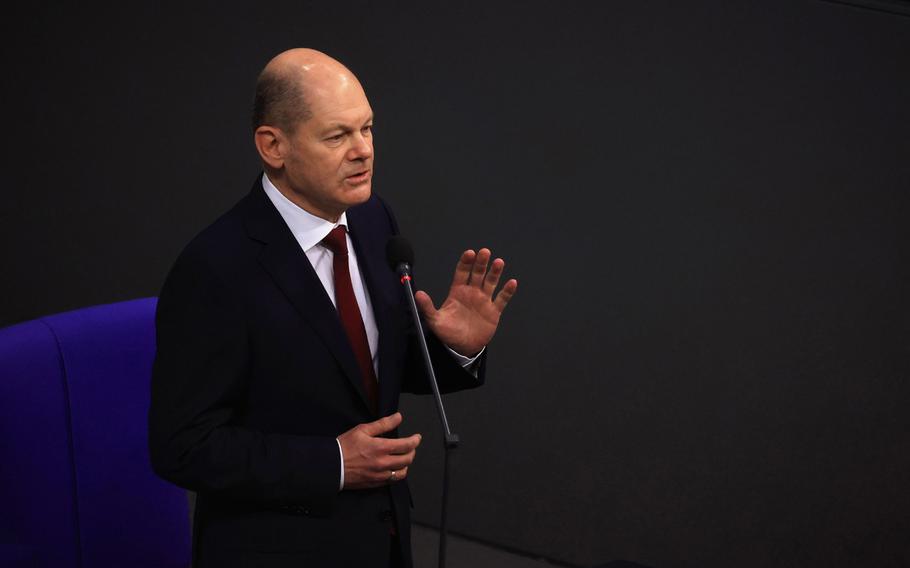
pixel 450 375
pixel 199 380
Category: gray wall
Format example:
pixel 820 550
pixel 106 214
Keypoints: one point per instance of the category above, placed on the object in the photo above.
pixel 706 364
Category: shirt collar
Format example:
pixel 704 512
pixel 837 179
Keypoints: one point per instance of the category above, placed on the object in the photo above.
pixel 308 229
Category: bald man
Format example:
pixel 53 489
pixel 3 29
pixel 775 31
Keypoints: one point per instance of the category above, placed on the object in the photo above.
pixel 284 342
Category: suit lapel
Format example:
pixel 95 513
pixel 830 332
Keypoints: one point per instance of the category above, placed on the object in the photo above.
pixel 292 272
pixel 369 244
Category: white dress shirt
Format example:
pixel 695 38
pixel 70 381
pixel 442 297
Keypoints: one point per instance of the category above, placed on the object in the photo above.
pixel 309 230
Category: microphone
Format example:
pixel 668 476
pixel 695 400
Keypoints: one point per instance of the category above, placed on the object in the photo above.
pixel 400 254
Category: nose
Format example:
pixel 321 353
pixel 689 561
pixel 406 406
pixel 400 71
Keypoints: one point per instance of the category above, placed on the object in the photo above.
pixel 361 147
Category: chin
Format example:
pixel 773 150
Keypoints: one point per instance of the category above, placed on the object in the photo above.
pixel 359 194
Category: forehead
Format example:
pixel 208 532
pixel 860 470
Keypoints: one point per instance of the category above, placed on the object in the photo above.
pixel 344 104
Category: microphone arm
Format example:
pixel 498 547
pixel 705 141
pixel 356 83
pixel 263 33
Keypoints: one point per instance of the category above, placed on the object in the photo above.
pixel 451 439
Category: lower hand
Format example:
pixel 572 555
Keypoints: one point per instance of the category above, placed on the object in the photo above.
pixel 371 460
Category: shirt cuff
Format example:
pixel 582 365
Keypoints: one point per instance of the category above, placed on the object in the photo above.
pixel 340 455
pixel 464 361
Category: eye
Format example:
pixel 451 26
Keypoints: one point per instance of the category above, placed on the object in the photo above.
pixel 335 138
pixel 367 129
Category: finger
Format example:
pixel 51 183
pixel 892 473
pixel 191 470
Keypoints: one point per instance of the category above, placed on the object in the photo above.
pixel 382 477
pixel 399 475
pixel 463 268
pixel 480 266
pixel 383 425
pixel 493 275
pixel 425 305
pixel 401 446
pixel 395 462
pixel 504 295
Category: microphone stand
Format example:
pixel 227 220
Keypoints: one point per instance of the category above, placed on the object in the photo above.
pixel 451 439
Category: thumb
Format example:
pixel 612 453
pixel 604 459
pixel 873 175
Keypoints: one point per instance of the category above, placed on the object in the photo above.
pixel 383 425
pixel 425 304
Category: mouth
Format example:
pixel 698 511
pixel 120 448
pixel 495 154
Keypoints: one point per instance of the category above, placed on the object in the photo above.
pixel 359 178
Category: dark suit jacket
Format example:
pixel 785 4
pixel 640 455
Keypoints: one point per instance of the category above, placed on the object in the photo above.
pixel 253 381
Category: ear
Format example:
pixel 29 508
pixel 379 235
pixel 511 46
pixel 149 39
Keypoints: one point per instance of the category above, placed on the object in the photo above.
pixel 271 145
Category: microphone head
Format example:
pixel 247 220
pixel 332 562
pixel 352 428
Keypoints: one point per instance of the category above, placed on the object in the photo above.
pixel 398 251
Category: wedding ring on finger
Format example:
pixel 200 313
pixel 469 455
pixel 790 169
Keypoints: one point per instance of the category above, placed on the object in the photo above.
pixel 392 476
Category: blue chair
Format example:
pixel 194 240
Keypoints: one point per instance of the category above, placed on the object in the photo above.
pixel 76 486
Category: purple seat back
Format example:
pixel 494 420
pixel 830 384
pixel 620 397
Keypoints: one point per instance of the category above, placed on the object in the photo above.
pixel 76 486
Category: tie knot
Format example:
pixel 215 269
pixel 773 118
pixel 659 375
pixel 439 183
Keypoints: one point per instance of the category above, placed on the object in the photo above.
pixel 336 241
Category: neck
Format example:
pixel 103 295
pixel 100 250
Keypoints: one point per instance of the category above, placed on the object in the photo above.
pixel 295 198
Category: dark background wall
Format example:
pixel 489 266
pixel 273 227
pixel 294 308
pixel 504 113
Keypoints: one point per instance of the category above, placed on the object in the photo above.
pixel 704 202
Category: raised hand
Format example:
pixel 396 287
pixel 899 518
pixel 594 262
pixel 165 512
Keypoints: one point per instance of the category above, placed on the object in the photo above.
pixel 470 314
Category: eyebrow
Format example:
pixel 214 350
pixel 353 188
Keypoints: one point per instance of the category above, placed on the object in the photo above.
pixel 342 126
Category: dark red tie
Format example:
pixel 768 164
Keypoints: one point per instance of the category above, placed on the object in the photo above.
pixel 349 312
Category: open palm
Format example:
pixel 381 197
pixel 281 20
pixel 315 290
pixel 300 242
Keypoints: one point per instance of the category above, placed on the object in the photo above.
pixel 470 314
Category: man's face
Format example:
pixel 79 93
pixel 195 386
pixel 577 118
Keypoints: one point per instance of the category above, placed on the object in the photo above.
pixel 329 161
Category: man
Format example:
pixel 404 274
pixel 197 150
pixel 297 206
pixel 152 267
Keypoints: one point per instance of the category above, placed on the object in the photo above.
pixel 284 342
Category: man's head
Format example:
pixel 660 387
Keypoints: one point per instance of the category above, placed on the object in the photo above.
pixel 313 129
